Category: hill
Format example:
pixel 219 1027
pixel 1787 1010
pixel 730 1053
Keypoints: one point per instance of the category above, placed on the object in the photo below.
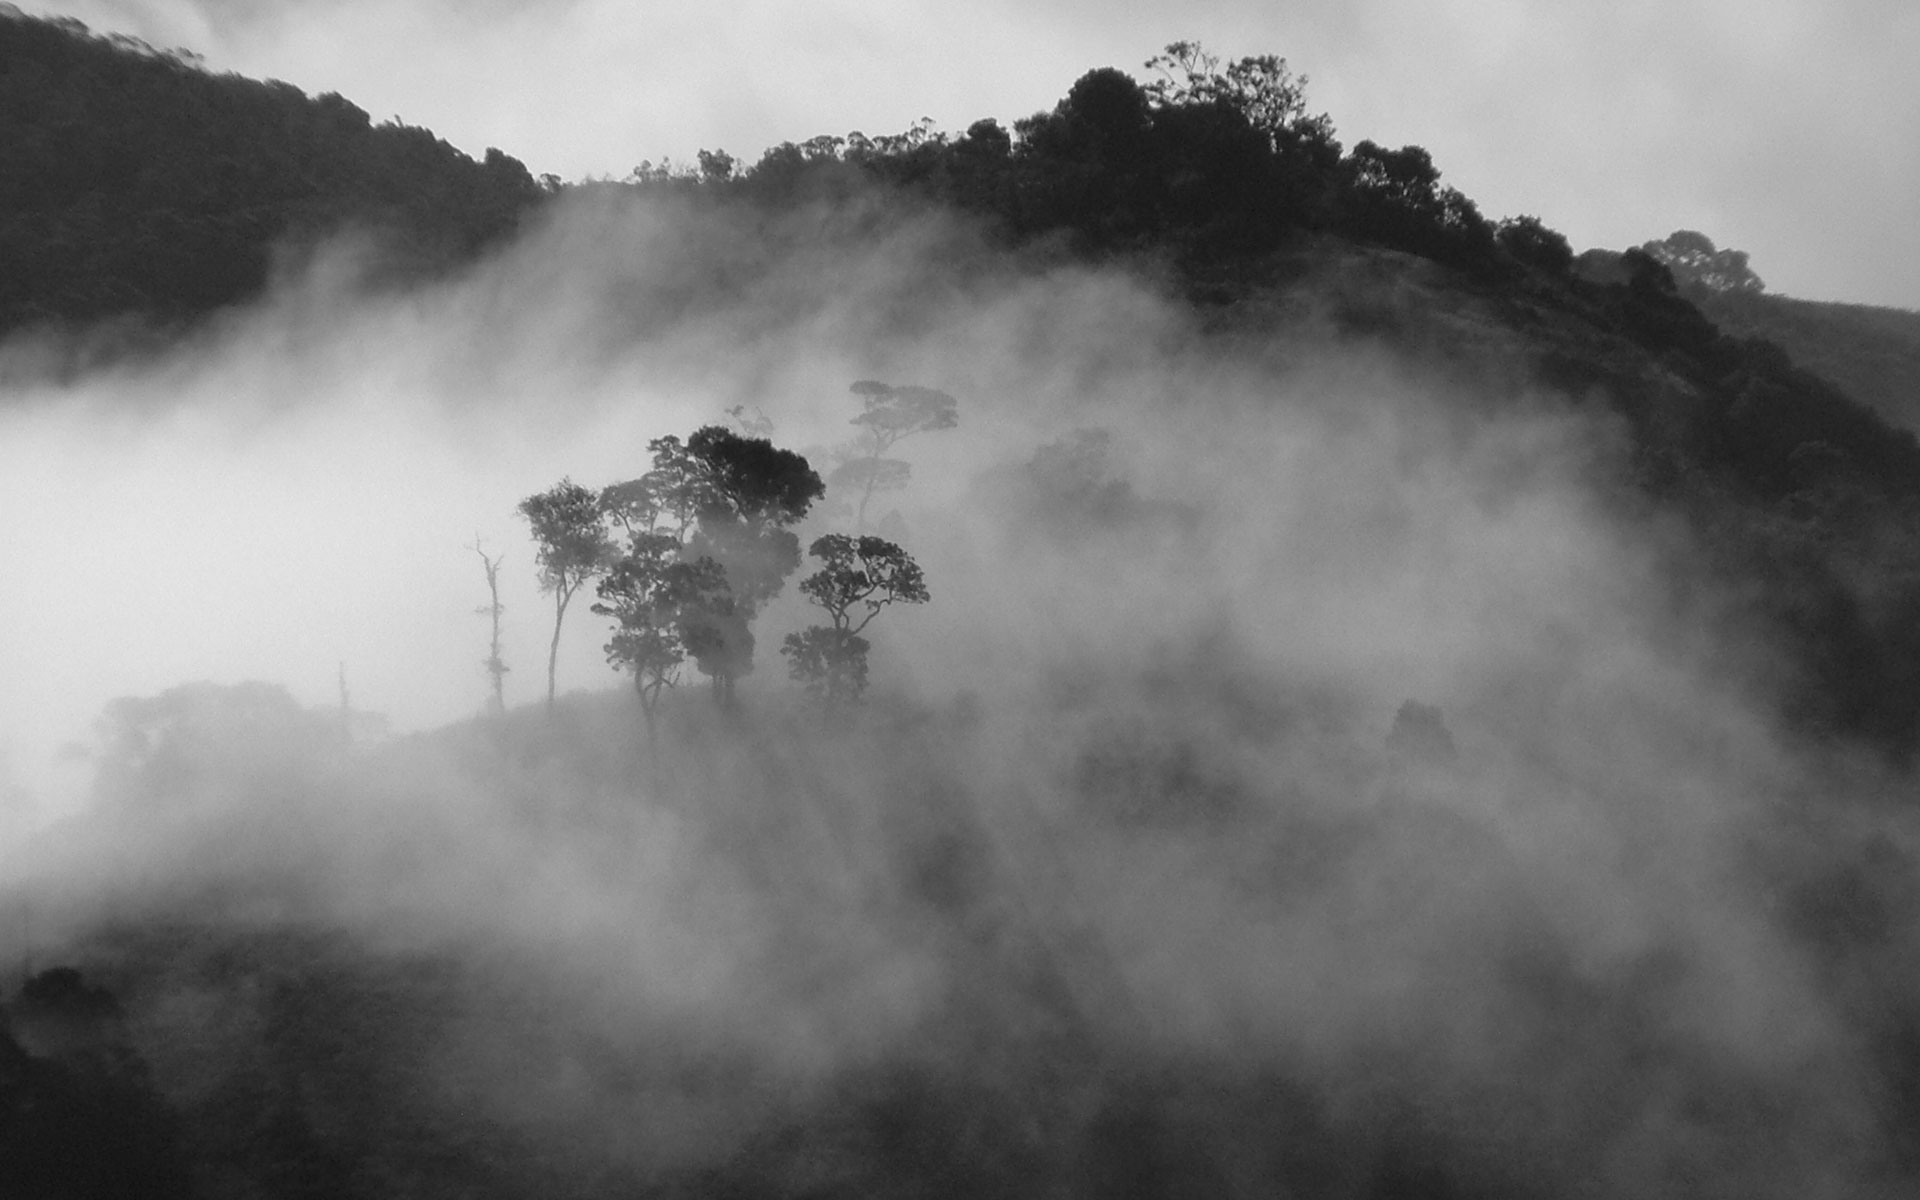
pixel 1398 715
pixel 135 183
pixel 1873 354
pixel 1049 951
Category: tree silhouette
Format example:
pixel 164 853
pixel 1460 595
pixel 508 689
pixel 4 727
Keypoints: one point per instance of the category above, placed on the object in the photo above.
pixel 1533 244
pixel 858 577
pixel 80 1118
pixel 569 529
pixel 888 415
pixel 1260 88
pixel 663 609
pixel 719 497
pixel 1692 258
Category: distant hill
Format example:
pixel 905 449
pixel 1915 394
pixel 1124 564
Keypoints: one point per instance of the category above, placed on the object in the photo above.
pixel 1872 353
pixel 133 181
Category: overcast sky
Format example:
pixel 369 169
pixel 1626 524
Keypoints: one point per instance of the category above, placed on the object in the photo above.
pixel 1788 128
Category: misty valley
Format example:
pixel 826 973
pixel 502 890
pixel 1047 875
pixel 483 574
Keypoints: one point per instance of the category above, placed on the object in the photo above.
pixel 1147 654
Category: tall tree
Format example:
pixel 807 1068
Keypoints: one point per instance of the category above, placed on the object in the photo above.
pixel 663 608
pixel 729 498
pixel 858 577
pixel 569 528
pixel 888 414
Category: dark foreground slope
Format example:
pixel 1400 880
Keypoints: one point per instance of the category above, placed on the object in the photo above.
pixel 1245 949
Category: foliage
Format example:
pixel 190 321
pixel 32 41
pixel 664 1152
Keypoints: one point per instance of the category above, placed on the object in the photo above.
pixel 573 546
pixel 135 181
pixel 79 1118
pixel 1260 89
pixel 889 414
pixel 1873 354
pixel 858 577
pixel 831 662
pixel 1691 257
pixel 720 498
pixel 663 609
pixel 1395 197
pixel 1528 240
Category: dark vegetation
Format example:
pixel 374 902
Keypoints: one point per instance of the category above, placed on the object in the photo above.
pixel 79 1116
pixel 135 183
pixel 342 1054
pixel 1873 354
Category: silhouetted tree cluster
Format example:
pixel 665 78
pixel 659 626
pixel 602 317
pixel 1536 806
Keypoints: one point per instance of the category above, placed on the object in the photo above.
pixel 135 181
pixel 708 540
pixel 1395 198
pixel 1691 257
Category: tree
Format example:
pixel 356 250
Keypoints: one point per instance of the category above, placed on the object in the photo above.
pixel 200 742
pixel 728 498
pixel 662 608
pixel 1533 244
pixel 1395 197
pixel 495 664
pixel 1692 258
pixel 889 414
pixel 569 529
pixel 1260 88
pixel 858 577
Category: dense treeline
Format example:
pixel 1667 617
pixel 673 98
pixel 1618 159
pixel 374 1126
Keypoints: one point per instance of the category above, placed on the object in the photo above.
pixel 1210 165
pixel 134 181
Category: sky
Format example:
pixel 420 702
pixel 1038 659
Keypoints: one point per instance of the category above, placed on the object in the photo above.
pixel 1786 128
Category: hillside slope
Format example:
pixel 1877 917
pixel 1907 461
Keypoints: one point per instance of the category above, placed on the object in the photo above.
pixel 134 182
pixel 1873 354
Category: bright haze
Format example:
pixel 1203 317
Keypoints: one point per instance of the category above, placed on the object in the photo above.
pixel 1786 128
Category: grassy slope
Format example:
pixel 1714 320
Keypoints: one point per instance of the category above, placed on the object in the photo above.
pixel 1871 353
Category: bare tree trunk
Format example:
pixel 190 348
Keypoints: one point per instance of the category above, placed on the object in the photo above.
pixel 560 598
pixel 860 517
pixel 496 665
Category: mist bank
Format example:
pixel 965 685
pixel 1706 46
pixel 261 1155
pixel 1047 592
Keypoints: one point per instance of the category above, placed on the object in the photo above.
pixel 1321 765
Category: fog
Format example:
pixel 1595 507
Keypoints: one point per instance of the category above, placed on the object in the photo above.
pixel 1142 777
